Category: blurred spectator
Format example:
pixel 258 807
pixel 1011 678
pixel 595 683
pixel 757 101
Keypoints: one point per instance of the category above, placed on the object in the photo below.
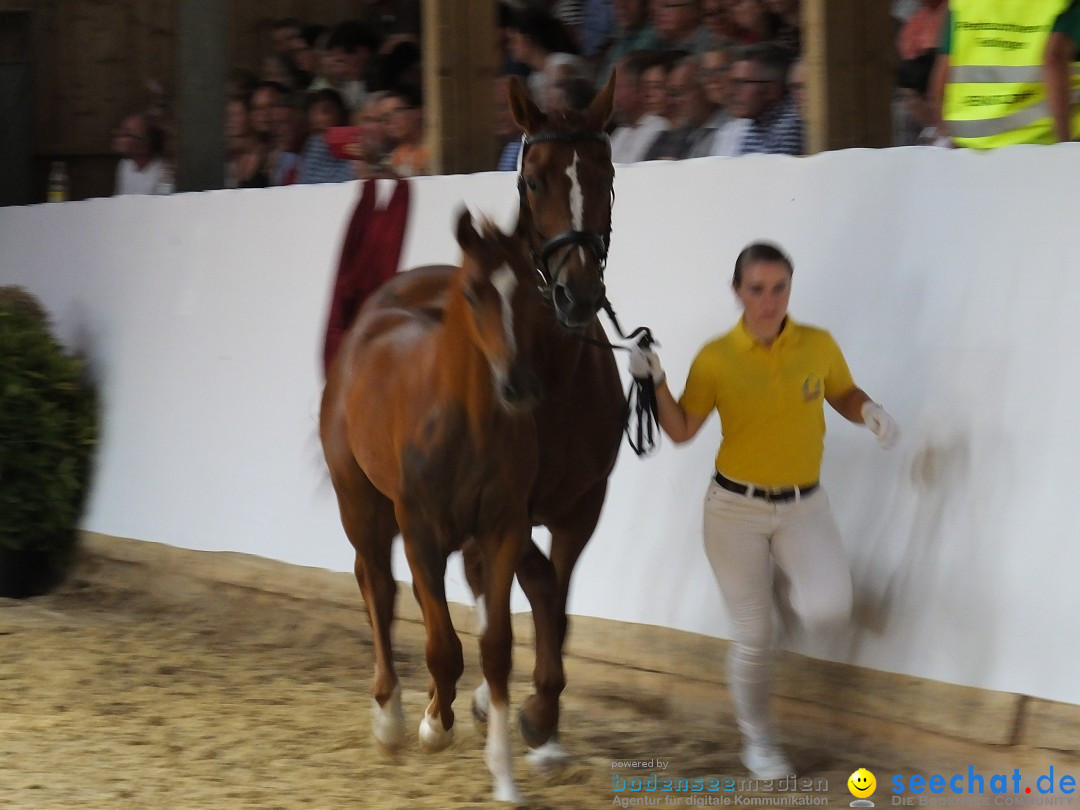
pixel 290 132
pixel 913 81
pixel 716 75
pixel 570 13
pixel 284 36
pixel 597 23
pixel 561 66
pixel 787 28
pixel 716 16
pixel 637 127
pixel 797 87
pixel 570 93
pixel 654 85
pixel 140 142
pixel 751 21
pixel 349 48
pixel 1061 70
pixel 534 37
pixel 678 23
pixel 758 79
pixel 692 124
pixel 922 31
pixel 246 164
pixel 633 33
pixel 404 114
pixel 990 90
pixel 317 164
pixel 265 99
pixel 506 129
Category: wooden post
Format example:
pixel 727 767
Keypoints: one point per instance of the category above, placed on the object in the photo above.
pixel 203 27
pixel 459 73
pixel 848 51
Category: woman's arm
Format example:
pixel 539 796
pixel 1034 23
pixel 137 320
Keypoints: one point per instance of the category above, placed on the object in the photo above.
pixel 849 405
pixel 679 425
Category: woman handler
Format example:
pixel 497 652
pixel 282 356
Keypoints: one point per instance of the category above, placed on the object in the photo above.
pixel 768 378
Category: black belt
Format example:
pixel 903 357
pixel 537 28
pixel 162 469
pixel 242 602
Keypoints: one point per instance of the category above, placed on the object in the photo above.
pixel 770 495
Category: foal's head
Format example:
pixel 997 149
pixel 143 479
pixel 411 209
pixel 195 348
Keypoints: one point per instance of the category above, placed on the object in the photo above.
pixel 503 309
pixel 566 194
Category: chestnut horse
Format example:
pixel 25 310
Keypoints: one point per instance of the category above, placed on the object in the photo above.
pixel 427 429
pixel 414 441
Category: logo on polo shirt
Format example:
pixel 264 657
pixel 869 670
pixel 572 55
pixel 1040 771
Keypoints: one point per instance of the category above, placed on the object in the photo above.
pixel 811 389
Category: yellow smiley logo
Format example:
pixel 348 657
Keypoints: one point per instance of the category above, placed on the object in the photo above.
pixel 862 783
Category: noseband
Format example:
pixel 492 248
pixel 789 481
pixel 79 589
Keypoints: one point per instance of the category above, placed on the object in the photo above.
pixel 597 243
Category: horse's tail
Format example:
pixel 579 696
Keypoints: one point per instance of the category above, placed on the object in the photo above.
pixel 370 255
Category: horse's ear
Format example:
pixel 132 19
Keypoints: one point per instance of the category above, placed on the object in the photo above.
pixel 467 237
pixel 599 111
pixel 525 113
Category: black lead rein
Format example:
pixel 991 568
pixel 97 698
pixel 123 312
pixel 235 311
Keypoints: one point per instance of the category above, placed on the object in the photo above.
pixel 642 416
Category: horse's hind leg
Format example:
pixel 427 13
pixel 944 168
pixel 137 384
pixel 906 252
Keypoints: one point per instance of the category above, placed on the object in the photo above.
pixel 368 518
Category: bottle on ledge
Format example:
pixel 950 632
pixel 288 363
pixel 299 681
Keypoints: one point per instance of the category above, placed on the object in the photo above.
pixel 58 182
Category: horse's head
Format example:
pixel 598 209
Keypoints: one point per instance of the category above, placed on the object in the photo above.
pixel 566 189
pixel 502 309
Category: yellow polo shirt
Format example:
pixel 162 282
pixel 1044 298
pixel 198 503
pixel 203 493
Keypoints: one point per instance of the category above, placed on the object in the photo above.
pixel 770 401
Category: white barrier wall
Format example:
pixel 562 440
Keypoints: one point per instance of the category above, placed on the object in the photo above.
pixel 949 279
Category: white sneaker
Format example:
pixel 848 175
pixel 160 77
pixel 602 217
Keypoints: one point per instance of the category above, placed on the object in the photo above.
pixel 766 760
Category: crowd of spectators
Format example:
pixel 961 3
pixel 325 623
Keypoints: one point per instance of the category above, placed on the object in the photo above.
pixel 693 78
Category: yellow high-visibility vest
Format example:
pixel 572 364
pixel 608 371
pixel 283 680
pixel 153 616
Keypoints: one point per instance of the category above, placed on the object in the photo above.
pixel 996 94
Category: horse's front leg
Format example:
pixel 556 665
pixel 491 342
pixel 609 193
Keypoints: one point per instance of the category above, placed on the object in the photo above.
pixel 547 584
pixel 443 649
pixel 501 555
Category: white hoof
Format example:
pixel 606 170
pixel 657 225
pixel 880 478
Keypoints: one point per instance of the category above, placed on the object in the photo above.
pixel 388 722
pixel 433 737
pixel 549 755
pixel 508 792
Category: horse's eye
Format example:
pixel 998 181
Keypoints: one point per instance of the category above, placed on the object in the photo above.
pixel 531 184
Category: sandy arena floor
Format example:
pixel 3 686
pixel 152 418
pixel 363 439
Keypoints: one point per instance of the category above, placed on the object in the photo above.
pixel 169 679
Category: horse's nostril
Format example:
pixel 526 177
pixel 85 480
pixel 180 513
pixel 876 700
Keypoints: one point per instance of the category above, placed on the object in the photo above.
pixel 563 299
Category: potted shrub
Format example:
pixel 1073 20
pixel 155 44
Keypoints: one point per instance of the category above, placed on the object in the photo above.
pixel 48 429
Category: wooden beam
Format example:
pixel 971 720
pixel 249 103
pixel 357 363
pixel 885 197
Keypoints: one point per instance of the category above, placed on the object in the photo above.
pixel 459 73
pixel 202 27
pixel 848 52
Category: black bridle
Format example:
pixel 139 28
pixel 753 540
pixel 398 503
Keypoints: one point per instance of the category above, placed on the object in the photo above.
pixel 596 243
pixel 641 404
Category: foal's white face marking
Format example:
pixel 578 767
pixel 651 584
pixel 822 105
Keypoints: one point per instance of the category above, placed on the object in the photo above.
pixel 504 281
pixel 577 200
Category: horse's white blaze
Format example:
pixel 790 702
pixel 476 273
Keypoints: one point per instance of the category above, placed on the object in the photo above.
pixel 499 755
pixel 388 722
pixel 577 198
pixel 505 282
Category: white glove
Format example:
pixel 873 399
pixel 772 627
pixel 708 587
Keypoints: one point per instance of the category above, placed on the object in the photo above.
pixel 881 424
pixel 644 363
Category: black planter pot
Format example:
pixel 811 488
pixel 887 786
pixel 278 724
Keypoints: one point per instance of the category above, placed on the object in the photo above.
pixel 27 572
